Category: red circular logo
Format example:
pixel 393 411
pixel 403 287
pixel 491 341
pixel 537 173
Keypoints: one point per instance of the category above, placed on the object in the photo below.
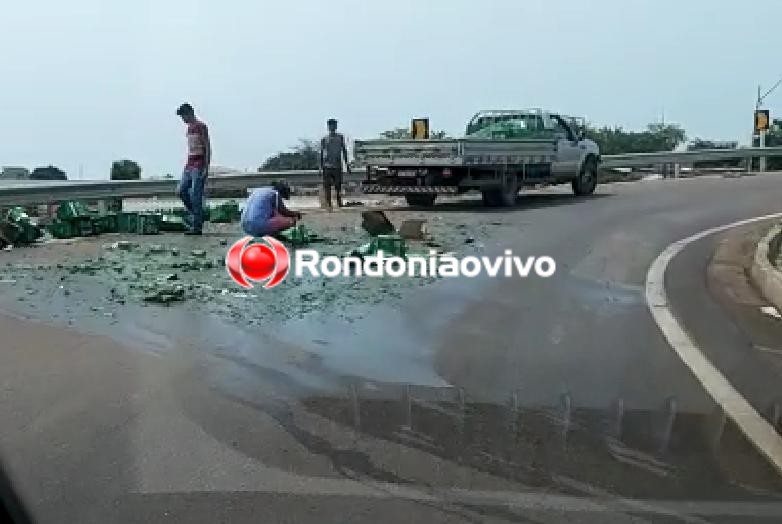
pixel 267 261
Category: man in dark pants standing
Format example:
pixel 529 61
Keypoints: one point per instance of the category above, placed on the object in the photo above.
pixel 199 155
pixel 332 151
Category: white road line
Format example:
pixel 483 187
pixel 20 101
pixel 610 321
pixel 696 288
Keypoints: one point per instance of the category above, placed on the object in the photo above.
pixel 768 350
pixel 755 428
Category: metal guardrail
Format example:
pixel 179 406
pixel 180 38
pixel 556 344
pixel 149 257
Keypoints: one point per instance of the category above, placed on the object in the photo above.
pixel 31 192
pixel 687 157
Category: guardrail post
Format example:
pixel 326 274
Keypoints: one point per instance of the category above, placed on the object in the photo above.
pixel 722 421
pixel 618 422
pixel 514 411
pixel 776 415
pixel 356 405
pixel 566 401
pixel 670 409
pixel 408 402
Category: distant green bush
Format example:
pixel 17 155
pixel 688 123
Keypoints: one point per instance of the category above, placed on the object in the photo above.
pixel 48 173
pixel 125 170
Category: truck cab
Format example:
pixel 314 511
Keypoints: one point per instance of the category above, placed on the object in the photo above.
pixel 572 148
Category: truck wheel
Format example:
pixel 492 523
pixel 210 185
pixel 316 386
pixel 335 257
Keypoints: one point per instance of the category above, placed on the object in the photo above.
pixel 505 196
pixel 420 200
pixel 586 181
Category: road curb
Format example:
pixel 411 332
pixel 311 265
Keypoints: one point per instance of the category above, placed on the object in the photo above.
pixel 764 275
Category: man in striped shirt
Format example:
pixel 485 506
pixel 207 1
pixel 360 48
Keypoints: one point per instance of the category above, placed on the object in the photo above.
pixel 199 155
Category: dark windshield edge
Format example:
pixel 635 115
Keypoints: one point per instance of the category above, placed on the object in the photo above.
pixel 13 509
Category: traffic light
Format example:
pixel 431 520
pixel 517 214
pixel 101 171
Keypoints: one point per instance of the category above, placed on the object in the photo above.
pixel 762 120
pixel 420 129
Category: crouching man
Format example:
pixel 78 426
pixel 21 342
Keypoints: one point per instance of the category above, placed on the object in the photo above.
pixel 266 214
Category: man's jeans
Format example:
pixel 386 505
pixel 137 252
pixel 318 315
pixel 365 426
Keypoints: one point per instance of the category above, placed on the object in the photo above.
pixel 191 191
pixel 270 226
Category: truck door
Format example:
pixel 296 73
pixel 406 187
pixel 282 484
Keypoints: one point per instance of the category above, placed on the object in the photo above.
pixel 568 158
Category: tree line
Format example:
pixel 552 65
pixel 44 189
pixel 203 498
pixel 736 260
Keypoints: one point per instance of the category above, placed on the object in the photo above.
pixel 612 141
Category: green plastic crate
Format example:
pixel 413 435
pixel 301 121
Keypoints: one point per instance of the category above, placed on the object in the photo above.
pixel 111 223
pixel 105 223
pixel 83 226
pixel 220 215
pixel 390 245
pixel 298 235
pixel 224 213
pixel 72 209
pixel 61 229
pixel 148 224
pixel 127 222
pixel 172 223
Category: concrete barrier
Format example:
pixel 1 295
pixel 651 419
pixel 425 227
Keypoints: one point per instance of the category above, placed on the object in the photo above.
pixel 765 276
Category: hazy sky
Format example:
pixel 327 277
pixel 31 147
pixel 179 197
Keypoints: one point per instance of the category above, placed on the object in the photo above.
pixel 85 82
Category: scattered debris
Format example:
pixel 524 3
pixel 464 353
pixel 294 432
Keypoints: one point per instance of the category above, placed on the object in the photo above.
pixel 413 229
pixel 390 245
pixel 157 248
pixel 200 253
pixel 771 311
pixel 376 223
pixel 123 245
pixel 299 235
pixel 469 240
pixel 165 294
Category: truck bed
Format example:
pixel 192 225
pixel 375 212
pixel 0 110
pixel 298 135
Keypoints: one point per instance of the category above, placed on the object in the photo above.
pixel 463 152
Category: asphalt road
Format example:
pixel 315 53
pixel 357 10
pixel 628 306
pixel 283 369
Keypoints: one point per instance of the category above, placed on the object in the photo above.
pixel 524 400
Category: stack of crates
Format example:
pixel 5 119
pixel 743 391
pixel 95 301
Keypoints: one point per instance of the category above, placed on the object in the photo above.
pixel 23 229
pixel 127 222
pixel 73 220
pixel 140 223
pixel 148 223
pixel 108 223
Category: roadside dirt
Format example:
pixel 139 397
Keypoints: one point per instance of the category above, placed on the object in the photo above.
pixel 97 278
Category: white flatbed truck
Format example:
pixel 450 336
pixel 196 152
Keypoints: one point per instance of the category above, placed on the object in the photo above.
pixel 502 152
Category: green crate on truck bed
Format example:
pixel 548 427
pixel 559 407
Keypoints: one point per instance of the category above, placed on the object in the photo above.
pixel 62 229
pixel 148 224
pixel 127 222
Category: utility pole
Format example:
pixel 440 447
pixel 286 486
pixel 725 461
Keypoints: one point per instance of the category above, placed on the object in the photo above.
pixel 762 132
